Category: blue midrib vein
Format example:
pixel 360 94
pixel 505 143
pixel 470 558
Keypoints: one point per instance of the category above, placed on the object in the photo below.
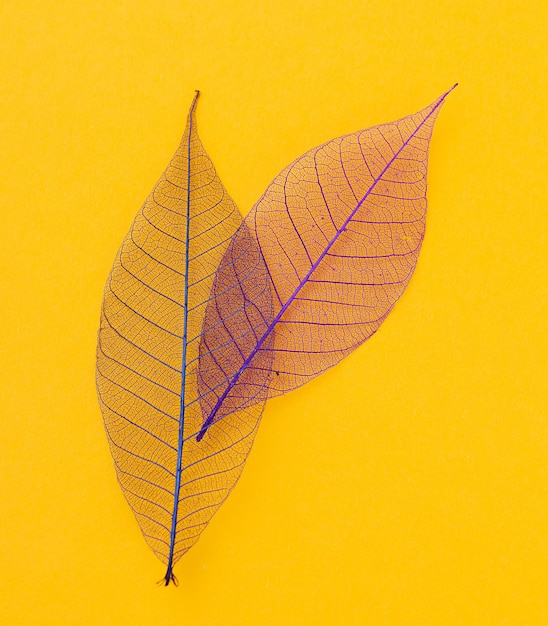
pixel 315 265
pixel 178 471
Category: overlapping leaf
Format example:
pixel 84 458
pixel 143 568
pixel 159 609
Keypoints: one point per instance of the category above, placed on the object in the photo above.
pixel 152 321
pixel 205 316
pixel 340 230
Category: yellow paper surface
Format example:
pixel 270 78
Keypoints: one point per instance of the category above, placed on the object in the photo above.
pixel 407 486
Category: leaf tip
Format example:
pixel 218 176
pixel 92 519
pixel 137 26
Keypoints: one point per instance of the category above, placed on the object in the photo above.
pixel 437 104
pixel 450 90
pixel 191 117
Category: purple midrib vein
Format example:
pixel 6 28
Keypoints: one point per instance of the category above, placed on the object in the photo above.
pixel 315 265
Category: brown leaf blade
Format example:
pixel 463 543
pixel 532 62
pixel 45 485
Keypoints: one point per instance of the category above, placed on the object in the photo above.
pixel 152 321
pixel 340 230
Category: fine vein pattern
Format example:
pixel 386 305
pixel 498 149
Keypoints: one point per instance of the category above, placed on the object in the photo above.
pixel 205 315
pixel 152 321
pixel 340 230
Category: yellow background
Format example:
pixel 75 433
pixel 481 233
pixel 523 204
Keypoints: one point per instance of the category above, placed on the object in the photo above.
pixel 408 485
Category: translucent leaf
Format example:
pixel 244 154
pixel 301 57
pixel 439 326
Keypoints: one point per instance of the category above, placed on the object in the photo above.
pixel 340 231
pixel 152 321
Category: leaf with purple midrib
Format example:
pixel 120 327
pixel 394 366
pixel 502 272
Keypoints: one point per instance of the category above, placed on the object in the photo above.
pixel 422 124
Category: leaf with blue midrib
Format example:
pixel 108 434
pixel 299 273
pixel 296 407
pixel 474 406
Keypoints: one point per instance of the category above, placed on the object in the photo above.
pixel 152 323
